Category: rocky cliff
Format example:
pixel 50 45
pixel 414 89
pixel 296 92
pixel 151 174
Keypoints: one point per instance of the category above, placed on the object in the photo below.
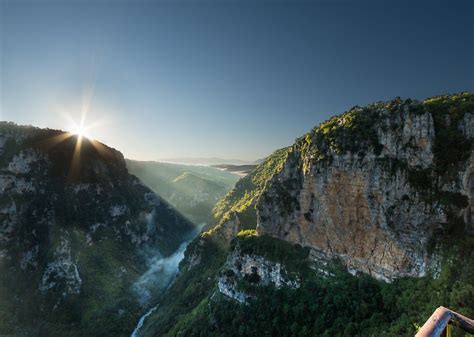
pixel 373 186
pixel 76 232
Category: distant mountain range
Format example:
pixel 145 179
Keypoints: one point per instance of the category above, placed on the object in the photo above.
pixel 192 189
pixel 241 170
pixel 209 161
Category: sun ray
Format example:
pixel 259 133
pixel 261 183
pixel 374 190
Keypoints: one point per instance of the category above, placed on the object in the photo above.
pixel 101 148
pixel 76 159
pixel 55 140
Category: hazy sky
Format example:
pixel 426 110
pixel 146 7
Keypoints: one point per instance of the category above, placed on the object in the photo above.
pixel 222 78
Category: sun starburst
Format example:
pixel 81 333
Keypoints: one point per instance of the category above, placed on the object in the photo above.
pixel 79 130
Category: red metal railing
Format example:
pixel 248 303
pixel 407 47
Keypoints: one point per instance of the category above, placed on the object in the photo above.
pixel 437 324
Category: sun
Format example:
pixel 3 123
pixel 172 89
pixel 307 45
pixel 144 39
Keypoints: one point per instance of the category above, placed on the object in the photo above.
pixel 80 130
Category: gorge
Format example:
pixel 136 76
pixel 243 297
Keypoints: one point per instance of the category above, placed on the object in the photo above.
pixel 358 228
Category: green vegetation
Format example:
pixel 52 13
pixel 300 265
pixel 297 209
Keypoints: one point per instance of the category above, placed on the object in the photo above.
pixel 346 305
pixel 352 131
pixel 241 199
pixel 333 303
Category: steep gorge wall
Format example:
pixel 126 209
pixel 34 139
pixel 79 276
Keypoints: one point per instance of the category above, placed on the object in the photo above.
pixel 76 232
pixel 367 187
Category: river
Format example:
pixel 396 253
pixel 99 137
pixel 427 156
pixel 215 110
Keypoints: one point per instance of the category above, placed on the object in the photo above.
pixel 167 266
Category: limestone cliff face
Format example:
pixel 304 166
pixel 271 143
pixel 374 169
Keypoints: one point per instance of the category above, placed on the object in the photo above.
pixel 368 188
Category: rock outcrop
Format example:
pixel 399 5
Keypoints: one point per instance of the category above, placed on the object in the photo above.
pixel 255 270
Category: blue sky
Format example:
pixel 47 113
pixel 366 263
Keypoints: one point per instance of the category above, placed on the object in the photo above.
pixel 232 79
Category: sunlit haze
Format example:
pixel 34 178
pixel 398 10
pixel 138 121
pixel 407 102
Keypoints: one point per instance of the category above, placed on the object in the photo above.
pixel 233 79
